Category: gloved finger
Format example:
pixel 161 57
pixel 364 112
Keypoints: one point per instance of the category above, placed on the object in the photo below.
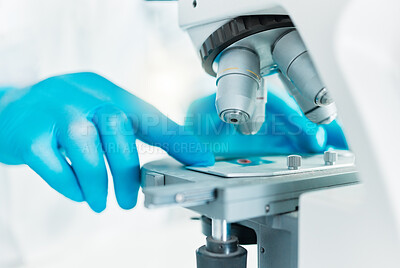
pixel 303 134
pixel 204 110
pixel 82 145
pixel 156 129
pixel 46 160
pixel 118 141
pixel 336 137
pixel 202 117
pixel 284 119
pixel 151 125
pixel 175 140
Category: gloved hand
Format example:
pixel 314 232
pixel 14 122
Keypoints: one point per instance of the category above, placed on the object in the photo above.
pixel 62 126
pixel 286 130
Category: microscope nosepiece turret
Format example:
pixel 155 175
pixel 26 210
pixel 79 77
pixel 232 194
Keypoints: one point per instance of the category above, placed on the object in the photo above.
pixel 249 48
pixel 238 80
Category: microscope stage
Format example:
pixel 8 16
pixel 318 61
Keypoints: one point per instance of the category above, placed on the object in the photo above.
pixel 240 189
pixel 270 166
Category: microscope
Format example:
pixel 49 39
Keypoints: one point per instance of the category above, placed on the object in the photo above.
pixel 255 200
pixel 241 52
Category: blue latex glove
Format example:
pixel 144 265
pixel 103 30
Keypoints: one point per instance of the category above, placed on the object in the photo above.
pixel 286 130
pixel 83 116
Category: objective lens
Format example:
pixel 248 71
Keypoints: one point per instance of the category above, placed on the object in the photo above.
pixel 292 58
pixel 238 80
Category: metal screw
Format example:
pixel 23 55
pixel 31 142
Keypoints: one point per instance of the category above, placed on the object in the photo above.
pixel 179 198
pixel 267 208
pixel 330 157
pixel 294 162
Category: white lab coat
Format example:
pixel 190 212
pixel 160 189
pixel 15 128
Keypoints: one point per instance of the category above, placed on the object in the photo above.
pixel 137 45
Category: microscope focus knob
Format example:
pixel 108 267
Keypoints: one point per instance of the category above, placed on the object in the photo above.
pixel 330 158
pixel 294 162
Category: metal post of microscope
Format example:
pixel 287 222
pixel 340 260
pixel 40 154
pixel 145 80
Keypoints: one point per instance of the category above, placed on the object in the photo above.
pixel 222 249
pixel 220 230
